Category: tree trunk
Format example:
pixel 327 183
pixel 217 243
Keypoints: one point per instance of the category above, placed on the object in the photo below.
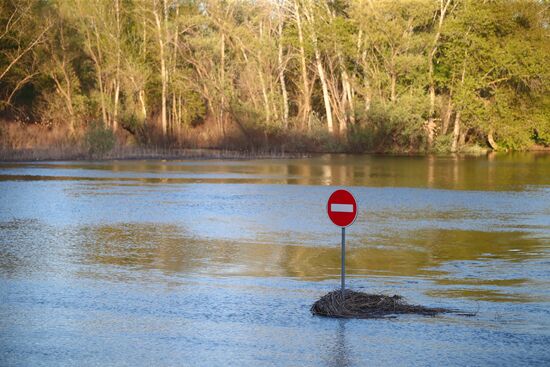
pixel 176 117
pixel 262 79
pixel 462 140
pixel 160 39
pixel 348 93
pixel 222 77
pixel 282 77
pixel 118 61
pixel 144 58
pixel 367 95
pixel 324 87
pixel 456 133
pixel 67 92
pixel 491 140
pixel 141 95
pixel 321 71
pixel 447 116
pixel 96 58
pixel 266 97
pixel 306 102
pixel 430 125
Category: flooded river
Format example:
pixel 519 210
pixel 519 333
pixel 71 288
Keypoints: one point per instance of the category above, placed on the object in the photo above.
pixel 216 262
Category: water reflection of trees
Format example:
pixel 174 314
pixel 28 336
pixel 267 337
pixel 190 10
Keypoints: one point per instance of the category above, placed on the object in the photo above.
pixel 491 172
pixel 418 253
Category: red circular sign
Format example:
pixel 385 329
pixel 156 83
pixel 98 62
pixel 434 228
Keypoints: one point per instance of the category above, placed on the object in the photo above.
pixel 342 208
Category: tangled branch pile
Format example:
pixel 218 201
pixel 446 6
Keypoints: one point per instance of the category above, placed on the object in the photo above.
pixel 363 305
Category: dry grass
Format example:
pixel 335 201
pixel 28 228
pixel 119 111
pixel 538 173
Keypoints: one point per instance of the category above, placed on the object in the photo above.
pixel 31 142
pixel 22 136
pixel 120 153
pixel 363 305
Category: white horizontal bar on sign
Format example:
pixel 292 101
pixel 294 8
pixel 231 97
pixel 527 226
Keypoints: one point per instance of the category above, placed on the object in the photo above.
pixel 342 208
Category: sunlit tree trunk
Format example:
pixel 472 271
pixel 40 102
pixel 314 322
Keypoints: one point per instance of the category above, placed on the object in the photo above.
pixel 430 125
pixel 306 90
pixel 491 140
pixel 222 79
pixel 320 69
pixel 163 74
pixel 64 84
pixel 96 58
pixel 447 116
pixel 176 116
pixel 281 69
pixel 141 93
pixel 346 99
pixel 324 87
pixel 456 130
pixel 262 80
pixel 118 60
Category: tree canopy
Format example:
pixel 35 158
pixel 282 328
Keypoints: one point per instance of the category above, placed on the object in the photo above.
pixel 369 74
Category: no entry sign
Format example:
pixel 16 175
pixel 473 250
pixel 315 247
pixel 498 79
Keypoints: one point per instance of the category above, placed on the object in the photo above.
pixel 342 208
pixel 342 211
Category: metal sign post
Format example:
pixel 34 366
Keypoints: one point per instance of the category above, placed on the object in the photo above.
pixel 343 260
pixel 342 211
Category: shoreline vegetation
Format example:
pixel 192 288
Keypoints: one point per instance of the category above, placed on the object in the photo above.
pixel 144 153
pixel 121 79
pixel 40 143
pixel 163 153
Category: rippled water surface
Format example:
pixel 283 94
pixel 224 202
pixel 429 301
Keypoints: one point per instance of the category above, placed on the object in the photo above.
pixel 211 262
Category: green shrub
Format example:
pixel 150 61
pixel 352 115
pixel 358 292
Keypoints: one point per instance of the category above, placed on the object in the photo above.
pixel 362 138
pixel 443 143
pixel 393 126
pixel 99 139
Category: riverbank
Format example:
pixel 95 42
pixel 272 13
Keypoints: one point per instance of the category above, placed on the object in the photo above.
pixel 35 142
pixel 162 153
pixel 136 153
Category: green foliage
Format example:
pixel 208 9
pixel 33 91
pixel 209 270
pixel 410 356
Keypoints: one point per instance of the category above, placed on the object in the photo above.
pixel 99 139
pixel 399 124
pixel 241 65
pixel 194 110
pixel 541 121
pixel 443 143
pixel 132 123
pixel 388 126
pixel 363 138
pixel 501 49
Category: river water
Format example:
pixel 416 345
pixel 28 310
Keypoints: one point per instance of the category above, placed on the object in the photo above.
pixel 216 262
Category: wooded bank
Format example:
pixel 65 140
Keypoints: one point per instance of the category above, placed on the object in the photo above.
pixel 340 75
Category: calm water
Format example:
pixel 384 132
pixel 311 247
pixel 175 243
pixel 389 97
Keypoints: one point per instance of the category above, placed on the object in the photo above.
pixel 172 263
